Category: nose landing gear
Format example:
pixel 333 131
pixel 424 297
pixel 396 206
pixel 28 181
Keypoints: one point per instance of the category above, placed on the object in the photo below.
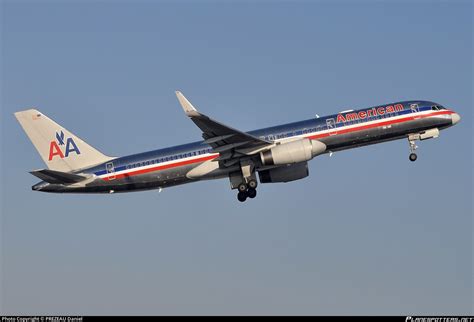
pixel 413 147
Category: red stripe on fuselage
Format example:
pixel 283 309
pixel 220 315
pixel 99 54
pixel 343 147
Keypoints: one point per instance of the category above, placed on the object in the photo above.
pixel 316 136
pixel 369 126
pixel 161 167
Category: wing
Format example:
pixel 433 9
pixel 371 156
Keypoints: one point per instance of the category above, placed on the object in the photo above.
pixel 223 139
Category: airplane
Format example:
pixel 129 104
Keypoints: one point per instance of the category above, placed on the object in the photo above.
pixel 278 154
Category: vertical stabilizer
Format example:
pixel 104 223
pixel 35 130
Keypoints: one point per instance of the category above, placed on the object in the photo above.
pixel 60 149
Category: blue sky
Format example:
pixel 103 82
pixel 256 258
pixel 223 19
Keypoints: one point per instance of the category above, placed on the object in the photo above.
pixel 367 233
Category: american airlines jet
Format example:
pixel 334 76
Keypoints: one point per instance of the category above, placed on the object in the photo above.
pixel 278 154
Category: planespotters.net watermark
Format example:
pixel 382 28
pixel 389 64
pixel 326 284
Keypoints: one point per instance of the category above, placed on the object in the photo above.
pixel 438 319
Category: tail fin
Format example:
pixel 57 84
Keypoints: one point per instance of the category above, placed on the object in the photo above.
pixel 60 149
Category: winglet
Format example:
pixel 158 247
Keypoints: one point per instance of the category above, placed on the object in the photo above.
pixel 186 105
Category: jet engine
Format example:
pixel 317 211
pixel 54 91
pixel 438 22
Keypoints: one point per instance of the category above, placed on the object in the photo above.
pixel 285 173
pixel 292 152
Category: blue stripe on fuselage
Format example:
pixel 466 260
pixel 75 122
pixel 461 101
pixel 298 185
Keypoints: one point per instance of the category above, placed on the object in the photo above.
pixel 176 153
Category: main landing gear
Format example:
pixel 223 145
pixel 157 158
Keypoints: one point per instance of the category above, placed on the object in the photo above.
pixel 247 190
pixel 244 180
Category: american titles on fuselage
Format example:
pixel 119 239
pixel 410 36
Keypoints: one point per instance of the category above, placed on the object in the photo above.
pixel 375 111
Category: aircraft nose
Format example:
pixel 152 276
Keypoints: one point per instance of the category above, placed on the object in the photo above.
pixel 455 118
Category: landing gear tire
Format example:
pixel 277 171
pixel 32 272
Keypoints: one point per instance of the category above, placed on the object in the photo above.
pixel 253 184
pixel 252 193
pixel 413 157
pixel 242 196
pixel 242 187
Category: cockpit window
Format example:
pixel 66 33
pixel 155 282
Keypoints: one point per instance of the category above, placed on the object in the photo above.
pixel 437 107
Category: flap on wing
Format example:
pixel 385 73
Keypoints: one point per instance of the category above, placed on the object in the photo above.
pixel 220 136
pixel 57 177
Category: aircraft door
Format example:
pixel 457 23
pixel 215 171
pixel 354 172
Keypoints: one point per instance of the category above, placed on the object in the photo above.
pixel 109 167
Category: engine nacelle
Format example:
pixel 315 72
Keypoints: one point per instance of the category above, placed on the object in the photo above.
pixel 285 173
pixel 292 152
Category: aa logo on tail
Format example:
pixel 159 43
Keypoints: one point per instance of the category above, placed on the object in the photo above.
pixel 55 149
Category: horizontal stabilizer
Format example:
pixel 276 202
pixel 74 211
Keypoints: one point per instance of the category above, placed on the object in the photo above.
pixel 57 177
